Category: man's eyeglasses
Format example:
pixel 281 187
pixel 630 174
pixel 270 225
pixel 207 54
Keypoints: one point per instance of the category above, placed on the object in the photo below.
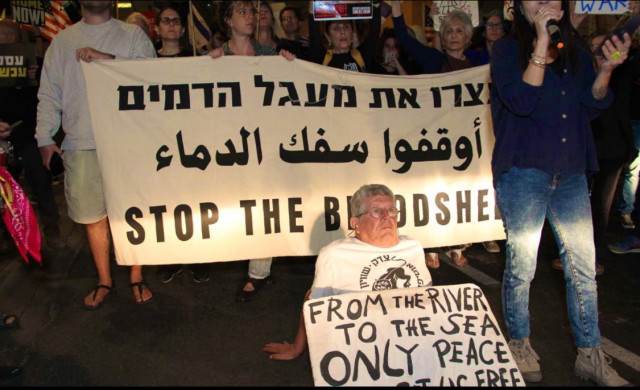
pixel 377 213
pixel 289 18
pixel 497 26
pixel 169 21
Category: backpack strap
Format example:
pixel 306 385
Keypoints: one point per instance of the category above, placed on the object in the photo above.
pixel 355 53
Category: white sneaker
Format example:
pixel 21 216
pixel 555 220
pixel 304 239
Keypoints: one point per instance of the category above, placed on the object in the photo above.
pixel 627 222
pixel 595 365
pixel 526 359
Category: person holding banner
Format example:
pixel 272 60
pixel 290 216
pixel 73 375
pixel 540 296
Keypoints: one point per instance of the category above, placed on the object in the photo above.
pixel 266 29
pixel 293 41
pixel 238 19
pixel 170 28
pixel 375 258
pixel 455 34
pixel 63 98
pixel 542 97
pixel 339 33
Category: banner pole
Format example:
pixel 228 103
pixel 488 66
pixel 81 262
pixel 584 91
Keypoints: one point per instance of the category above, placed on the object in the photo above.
pixel 192 33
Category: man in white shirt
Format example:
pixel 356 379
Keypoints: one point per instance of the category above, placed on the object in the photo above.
pixel 63 100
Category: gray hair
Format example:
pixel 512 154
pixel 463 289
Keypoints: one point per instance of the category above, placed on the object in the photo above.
pixel 494 12
pixel 139 17
pixel 461 16
pixel 358 205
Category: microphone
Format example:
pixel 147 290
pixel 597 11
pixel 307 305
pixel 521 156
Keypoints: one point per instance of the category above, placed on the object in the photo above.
pixel 554 32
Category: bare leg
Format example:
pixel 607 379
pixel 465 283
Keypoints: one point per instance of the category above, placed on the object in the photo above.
pixel 98 237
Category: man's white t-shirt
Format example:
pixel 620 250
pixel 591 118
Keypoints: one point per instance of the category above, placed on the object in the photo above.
pixel 350 265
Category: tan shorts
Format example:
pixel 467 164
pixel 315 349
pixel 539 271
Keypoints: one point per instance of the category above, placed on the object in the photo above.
pixel 83 186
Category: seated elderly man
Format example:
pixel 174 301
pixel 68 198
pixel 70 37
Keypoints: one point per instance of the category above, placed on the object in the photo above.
pixel 340 264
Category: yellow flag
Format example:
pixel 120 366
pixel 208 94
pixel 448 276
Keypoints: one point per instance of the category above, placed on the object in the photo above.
pixel 3 12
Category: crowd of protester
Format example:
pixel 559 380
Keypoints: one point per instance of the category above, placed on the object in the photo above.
pixel 527 76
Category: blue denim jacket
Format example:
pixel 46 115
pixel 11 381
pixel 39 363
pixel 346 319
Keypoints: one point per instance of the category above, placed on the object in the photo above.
pixel 545 127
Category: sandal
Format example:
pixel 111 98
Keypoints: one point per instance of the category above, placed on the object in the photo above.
pixel 140 285
pixel 458 257
pixel 432 260
pixel 5 323
pixel 95 294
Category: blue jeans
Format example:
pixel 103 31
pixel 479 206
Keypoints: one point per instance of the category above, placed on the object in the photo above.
pixel 525 197
pixel 630 175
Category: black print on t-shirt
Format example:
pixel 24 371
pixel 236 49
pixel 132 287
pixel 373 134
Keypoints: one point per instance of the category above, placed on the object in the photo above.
pixel 389 280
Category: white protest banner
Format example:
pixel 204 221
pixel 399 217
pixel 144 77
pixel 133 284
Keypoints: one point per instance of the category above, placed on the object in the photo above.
pixel 601 7
pixel 242 157
pixel 445 7
pixel 424 336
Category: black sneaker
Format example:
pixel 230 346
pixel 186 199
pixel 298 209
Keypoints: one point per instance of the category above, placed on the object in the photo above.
pixel 166 273
pixel 200 273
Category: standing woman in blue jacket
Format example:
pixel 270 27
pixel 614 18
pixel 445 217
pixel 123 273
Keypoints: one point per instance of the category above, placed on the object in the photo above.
pixel 542 99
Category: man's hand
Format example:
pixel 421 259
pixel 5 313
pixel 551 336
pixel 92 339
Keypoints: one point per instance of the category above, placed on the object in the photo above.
pixel 216 53
pixel 282 351
pixel 33 71
pixel 88 54
pixel 47 152
pixel 287 54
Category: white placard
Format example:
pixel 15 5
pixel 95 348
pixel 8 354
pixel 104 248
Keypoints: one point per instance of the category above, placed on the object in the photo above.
pixel 599 7
pixel 425 336
pixel 444 7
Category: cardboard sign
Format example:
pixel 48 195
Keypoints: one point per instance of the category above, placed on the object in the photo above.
pixel 15 60
pixel 601 7
pixel 28 12
pixel 444 7
pixel 508 10
pixel 332 10
pixel 424 336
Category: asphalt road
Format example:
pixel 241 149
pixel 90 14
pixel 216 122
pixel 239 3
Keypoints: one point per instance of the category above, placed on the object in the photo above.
pixel 197 335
